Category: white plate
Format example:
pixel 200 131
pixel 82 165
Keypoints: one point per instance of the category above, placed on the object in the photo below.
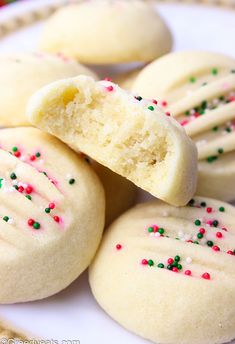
pixel 73 314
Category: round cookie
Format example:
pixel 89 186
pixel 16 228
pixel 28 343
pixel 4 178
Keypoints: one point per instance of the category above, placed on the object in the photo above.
pixel 107 32
pixel 22 74
pixel 51 215
pixel 198 88
pixel 120 193
pixel 126 80
pixel 167 273
pixel 129 135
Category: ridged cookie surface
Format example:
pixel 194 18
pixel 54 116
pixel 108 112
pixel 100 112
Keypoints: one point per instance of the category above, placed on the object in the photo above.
pixel 198 88
pixel 51 215
pixel 167 273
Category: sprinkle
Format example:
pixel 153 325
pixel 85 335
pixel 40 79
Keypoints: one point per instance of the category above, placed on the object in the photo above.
pixel 161 266
pixel 215 223
pixel 107 78
pixel 154 101
pixel 56 218
pixel 200 235
pixel 71 181
pixel 31 222
pixel 36 225
pixel 151 108
pixel 109 88
pixel 203 204
pixel 29 189
pixel 6 218
pixel 174 269
pixel 216 248
pixel 209 210
pixel 170 261
pixel 150 262
pixel 29 197
pixel 189 260
pixel 220 151
pixel 118 246
pixel 51 205
pixel 192 79
pixel 32 158
pixel 197 222
pixel 164 103
pixel 14 149
pixel 177 258
pixel 47 210
pixel 222 209
pixel 191 202
pixel 230 252
pixel 13 176
pixel 202 230
pixel 206 275
pixel 210 243
pixel 161 231
pixel 144 262
pixel 139 98
pixel 219 235
pixel 211 158
pixel 188 272
pixel 168 114
pixel 150 229
pixel 214 71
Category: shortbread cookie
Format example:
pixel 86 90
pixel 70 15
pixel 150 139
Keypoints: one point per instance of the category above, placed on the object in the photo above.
pixel 120 193
pixel 51 215
pixel 198 88
pixel 127 134
pixel 23 74
pixel 107 32
pixel 167 273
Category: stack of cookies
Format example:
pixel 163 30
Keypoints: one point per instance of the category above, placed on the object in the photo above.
pixel 75 146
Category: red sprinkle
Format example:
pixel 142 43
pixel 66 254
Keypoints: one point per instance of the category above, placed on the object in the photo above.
pixel 144 262
pixel 56 218
pixel 224 229
pixel 118 246
pixel 230 252
pixel 209 210
pixel 30 222
pixel 168 113
pixel 216 248
pixel 17 154
pixel 155 228
pixel 188 272
pixel 170 260
pixel 202 230
pixel 29 189
pixel 206 275
pixel 51 205
pixel 174 269
pixel 107 79
pixel 219 235
pixel 155 101
pixel 33 157
pixel 164 103
pixel 20 189
pixel 184 122
pixel 109 88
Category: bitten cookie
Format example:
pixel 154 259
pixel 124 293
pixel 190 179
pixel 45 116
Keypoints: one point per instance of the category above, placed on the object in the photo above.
pixel 127 134
pixel 167 273
pixel 23 74
pixel 51 215
pixel 198 88
pixel 107 32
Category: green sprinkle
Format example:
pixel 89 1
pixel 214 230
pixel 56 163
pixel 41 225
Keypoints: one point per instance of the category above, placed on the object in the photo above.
pixel 233 71
pixel 1 180
pixel 191 202
pixel 169 267
pixel 203 204
pixel 210 243
pixel 187 113
pixel 139 98
pixel 36 225
pixel 16 187
pixel 197 222
pixel 211 158
pixel 13 176
pixel 151 108
pixel 196 242
pixel 161 266
pixel 179 266
pixel 150 262
pixel 38 155
pixel 192 79
pixel 47 210
pixel 214 71
pixel 6 218
pixel 220 150
pixel 215 128
pixel 215 223
pixel 199 235
pixel 14 149
pixel 29 197
pixel 161 230
pixel 228 129
pixel 204 104
pixel 222 209
pixel 71 181
pixel 177 258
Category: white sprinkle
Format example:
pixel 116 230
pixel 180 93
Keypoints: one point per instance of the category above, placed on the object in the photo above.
pixel 189 260
pixel 10 221
pixel 157 234
pixel 151 234
pixel 23 158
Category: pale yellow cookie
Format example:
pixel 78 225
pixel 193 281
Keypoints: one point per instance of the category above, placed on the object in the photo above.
pixel 23 74
pixel 127 134
pixel 107 32
pixel 51 215
pixel 126 80
pixel 198 88
pixel 167 273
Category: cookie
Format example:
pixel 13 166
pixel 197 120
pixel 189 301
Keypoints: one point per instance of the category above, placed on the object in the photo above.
pixel 126 80
pixel 23 74
pixel 107 32
pixel 127 134
pixel 51 215
pixel 198 88
pixel 120 193
pixel 167 273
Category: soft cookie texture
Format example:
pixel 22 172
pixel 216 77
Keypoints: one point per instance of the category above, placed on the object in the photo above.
pixel 167 273
pixel 51 215
pixel 198 88
pixel 23 74
pixel 127 134
pixel 107 32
